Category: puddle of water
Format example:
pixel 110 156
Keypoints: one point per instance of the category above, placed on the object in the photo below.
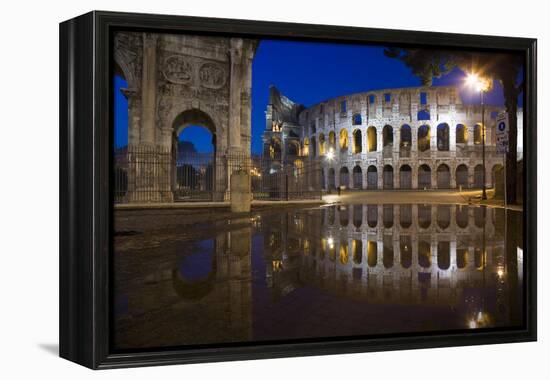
pixel 332 271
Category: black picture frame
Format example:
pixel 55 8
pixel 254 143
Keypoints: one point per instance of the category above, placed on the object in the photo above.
pixel 86 204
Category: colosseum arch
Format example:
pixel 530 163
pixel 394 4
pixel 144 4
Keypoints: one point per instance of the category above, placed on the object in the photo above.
pixel 372 143
pixel 387 251
pixel 424 177
pixel 322 144
pixel 372 215
pixel 443 137
pixel 461 175
pixel 444 255
pixel 292 148
pixel 357 215
pixel 344 177
pixel 443 176
pixel 344 139
pixel 405 251
pixel 357 177
pixel 332 140
pixel 387 216
pixel 343 212
pixel 478 134
pixel 405 177
pixel 424 216
pixel 387 136
pixel 423 138
pixel 313 145
pixel 405 142
pixel 372 253
pixel 331 178
pixel 461 216
pixel 357 251
pixel 478 176
pixel 387 177
pixel 305 147
pixel 356 119
pixel 372 177
pixel 357 141
pixel 443 215
pixel 424 254
pixel 274 148
pixel 461 134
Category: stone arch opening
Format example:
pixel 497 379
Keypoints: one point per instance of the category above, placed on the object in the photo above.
pixel 443 216
pixel 387 251
pixel 405 177
pixel 357 215
pixel 405 142
pixel 331 178
pixel 387 136
pixel 357 251
pixel 305 149
pixel 443 176
pixel 424 177
pixel 424 138
pixel 424 216
pixel 461 175
pixel 357 177
pixel 372 215
pixel 405 251
pixel 461 216
pixel 372 177
pixel 387 216
pixel 443 137
pixel 322 144
pixel 443 255
pixel 344 252
pixel 344 215
pixel 478 134
pixel 343 139
pixel 372 253
pixel 462 254
pixel 405 216
pixel 293 148
pixel 194 174
pixel 332 140
pixel 387 178
pixel 357 141
pixel 344 177
pixel 461 134
pixel 478 176
pixel 371 139
pixel 424 254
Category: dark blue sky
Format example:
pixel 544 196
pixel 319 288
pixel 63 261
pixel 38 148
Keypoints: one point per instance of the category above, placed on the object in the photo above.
pixel 307 73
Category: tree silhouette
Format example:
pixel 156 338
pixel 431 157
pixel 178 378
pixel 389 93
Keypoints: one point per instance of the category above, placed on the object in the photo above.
pixel 504 67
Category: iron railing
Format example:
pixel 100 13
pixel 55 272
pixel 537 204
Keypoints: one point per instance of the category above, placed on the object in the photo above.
pixel 152 174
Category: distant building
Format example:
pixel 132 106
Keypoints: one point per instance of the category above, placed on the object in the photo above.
pixel 405 138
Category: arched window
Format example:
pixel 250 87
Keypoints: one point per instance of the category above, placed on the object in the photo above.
pixel 344 215
pixel 461 215
pixel 357 177
pixel 444 255
pixel 405 216
pixel 405 142
pixel 443 137
pixel 372 178
pixel 332 140
pixel 372 253
pixel 405 177
pixel 405 248
pixel 461 134
pixel 387 136
pixel 343 139
pixel 357 215
pixel 423 115
pixel 424 254
pixel 462 176
pixel 372 215
pixel 443 216
pixel 387 251
pixel 357 251
pixel 305 149
pixel 371 139
pixel 322 145
pixel 478 176
pixel 344 177
pixel 313 145
pixel 357 141
pixel 424 216
pixel 331 179
pixel 443 177
pixel 424 177
pixel 424 138
pixel 387 216
pixel 478 134
pixel 356 120
pixel 387 178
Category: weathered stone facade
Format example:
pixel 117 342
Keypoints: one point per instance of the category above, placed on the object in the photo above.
pixel 179 80
pixel 406 138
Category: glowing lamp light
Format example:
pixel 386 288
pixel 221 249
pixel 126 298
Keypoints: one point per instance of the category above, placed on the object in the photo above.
pixel 330 242
pixel 500 273
pixel 330 154
pixel 472 324
pixel 477 82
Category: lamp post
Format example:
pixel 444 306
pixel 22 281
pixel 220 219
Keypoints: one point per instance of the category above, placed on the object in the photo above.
pixel 481 85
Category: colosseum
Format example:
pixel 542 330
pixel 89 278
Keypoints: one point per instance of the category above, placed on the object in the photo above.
pixel 403 138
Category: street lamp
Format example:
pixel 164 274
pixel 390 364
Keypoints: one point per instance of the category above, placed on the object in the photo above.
pixel 330 154
pixel 481 85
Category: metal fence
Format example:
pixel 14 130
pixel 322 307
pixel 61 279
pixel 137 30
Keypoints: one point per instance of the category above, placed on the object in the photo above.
pixel 143 174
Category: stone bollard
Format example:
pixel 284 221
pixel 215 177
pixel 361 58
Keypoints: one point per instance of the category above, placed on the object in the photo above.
pixel 241 196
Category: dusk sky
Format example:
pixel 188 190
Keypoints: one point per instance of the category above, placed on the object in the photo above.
pixel 307 73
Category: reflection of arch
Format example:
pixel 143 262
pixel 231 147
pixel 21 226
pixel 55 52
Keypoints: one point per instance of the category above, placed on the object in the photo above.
pixel 357 177
pixel 372 215
pixel 443 216
pixel 372 177
pixel 424 177
pixel 357 215
pixel 357 141
pixel 424 138
pixel 195 288
pixel 371 139
pixel 344 177
pixel 387 216
pixel 462 257
pixel 405 216
pixel 387 178
pixel 443 255
pixel 405 249
pixel 405 177
pixel 387 252
pixel 344 216
pixel 443 177
pixel 424 254
pixel 357 251
pixel 462 176
pixel 424 216
pixel 461 134
pixel 344 252
pixel 372 253
pixel 343 139
pixel 443 137
pixel 461 216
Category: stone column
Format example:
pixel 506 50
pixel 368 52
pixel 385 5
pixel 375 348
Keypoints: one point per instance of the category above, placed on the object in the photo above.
pixel 235 86
pixel 149 88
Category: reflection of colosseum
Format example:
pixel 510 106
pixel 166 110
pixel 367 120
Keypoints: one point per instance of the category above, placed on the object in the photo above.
pixel 408 138
pixel 403 254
